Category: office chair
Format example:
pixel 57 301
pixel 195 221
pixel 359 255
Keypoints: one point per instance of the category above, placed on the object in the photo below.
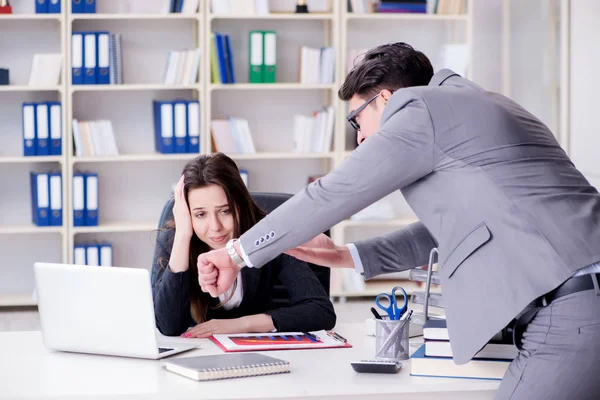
pixel 268 202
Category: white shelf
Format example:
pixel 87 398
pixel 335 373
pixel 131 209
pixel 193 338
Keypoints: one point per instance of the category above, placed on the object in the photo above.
pixel 33 159
pixel 135 158
pixel 286 16
pixel 282 156
pixel 407 16
pixel 378 223
pixel 271 86
pixel 28 229
pixel 132 16
pixel 24 17
pixel 115 227
pixel 17 300
pixel 373 288
pixel 26 88
pixel 131 87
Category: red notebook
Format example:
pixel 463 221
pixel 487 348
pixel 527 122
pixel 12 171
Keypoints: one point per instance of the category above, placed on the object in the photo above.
pixel 278 341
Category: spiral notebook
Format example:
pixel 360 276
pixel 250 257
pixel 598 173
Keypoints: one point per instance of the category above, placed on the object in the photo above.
pixel 226 366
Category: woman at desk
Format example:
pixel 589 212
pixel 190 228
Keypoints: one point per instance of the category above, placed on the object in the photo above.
pixel 212 206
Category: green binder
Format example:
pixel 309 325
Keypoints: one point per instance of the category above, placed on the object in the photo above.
pixel 215 74
pixel 256 55
pixel 270 57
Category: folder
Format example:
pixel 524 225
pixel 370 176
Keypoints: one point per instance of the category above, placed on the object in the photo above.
pixel 77 58
pixel 244 175
pixel 91 199
pixel 89 6
pixel 180 126
pixel 193 115
pixel 55 126
pixel 42 145
pixel 54 7
pixel 163 126
pixel 79 257
pixel 256 56
pixel 41 6
pixel 215 73
pixel 270 57
pixel 103 65
pixel 77 6
pixel 222 62
pixel 92 255
pixel 228 59
pixel 40 199
pixel 29 129
pixel 106 255
pixel 90 57
pixel 56 215
pixel 78 199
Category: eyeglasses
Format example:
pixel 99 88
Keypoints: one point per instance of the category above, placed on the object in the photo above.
pixel 352 116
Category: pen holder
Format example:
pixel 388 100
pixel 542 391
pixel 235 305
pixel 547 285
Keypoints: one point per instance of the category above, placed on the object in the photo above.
pixel 391 339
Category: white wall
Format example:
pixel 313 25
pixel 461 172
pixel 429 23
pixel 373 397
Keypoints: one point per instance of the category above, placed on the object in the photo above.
pixel 584 88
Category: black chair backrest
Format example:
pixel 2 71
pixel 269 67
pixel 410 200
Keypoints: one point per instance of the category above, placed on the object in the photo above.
pixel 268 202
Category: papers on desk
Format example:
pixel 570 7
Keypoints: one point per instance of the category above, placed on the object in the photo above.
pixel 277 341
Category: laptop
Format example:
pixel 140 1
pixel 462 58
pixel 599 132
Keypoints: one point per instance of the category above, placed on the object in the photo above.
pixel 99 310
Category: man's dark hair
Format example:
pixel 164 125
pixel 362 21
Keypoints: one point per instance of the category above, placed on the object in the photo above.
pixel 389 66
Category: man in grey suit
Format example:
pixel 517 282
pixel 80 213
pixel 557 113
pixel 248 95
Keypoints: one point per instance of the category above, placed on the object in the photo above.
pixel 516 224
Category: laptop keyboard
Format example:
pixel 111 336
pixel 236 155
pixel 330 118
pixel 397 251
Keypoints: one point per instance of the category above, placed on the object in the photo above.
pixel 164 349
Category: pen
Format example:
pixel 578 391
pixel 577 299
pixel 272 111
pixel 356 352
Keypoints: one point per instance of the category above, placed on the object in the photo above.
pixel 375 313
pixel 339 337
pixel 310 336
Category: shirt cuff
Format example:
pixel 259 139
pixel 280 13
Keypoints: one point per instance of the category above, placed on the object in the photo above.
pixel 358 266
pixel 245 256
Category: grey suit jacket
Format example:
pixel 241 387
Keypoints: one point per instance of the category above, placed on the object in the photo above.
pixel 512 216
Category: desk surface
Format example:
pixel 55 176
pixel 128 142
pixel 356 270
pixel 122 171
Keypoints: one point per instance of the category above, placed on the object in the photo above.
pixel 29 371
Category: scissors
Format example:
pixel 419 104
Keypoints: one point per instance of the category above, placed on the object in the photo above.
pixel 392 309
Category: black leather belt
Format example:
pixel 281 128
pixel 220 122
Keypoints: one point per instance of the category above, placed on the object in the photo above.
pixel 572 285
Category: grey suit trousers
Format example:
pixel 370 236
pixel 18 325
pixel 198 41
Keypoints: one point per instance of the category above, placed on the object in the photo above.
pixel 560 356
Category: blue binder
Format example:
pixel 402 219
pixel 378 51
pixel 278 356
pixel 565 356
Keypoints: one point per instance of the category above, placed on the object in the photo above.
pixel 55 127
pixel 221 57
pixel 180 126
pixel 29 128
pixel 77 58
pixel 42 133
pixel 229 59
pixel 163 126
pixel 106 255
pixel 193 125
pixel 79 256
pixel 103 59
pixel 54 6
pixel 91 199
pixel 90 58
pixel 77 6
pixel 89 6
pixel 41 6
pixel 55 192
pixel 92 255
pixel 79 199
pixel 40 199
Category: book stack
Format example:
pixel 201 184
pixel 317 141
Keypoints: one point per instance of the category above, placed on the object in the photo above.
pixel 434 358
pixel 221 59
pixel 317 65
pixel 314 134
pixel 94 138
pixel 93 254
pixel 182 67
pixel 232 136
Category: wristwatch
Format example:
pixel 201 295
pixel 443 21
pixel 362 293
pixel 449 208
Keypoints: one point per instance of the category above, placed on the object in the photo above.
pixel 237 260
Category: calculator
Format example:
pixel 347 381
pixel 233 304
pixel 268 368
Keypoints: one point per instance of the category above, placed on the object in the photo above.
pixel 376 366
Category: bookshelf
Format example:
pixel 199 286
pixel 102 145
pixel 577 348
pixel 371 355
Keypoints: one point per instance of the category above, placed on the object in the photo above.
pixel 135 184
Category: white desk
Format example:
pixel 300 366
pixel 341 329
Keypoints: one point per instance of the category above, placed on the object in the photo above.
pixel 29 371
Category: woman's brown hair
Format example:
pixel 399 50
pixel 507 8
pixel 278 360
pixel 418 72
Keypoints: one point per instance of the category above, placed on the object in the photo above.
pixel 220 170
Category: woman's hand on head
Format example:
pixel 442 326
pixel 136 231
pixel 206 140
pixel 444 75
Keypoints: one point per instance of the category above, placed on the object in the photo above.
pixel 181 212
